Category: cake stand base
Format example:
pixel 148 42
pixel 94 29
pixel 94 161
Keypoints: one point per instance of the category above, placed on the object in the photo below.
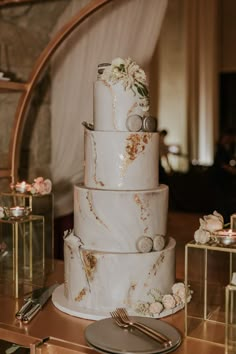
pixel 61 303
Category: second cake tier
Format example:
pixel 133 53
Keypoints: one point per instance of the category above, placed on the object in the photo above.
pixel 121 160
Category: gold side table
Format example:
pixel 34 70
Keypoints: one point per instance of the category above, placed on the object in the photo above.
pixel 208 270
pixel 40 205
pixel 230 319
pixel 22 255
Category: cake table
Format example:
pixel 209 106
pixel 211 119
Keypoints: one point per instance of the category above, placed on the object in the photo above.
pixel 56 332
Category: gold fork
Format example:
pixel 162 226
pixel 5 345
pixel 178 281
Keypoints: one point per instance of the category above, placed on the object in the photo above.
pixel 127 320
pixel 122 324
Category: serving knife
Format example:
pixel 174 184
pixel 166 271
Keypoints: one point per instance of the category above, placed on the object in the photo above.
pixel 29 299
pixel 35 303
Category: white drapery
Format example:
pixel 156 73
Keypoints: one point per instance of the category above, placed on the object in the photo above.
pixel 202 77
pixel 123 28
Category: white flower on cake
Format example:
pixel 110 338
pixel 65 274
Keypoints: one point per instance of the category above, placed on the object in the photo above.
pixel 179 290
pixel 208 224
pixel 155 294
pixel 144 308
pixel 156 308
pixel 161 305
pixel 168 301
pixel 178 300
pixel 132 78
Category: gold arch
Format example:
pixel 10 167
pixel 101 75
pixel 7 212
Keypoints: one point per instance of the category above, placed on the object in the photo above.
pixel 27 88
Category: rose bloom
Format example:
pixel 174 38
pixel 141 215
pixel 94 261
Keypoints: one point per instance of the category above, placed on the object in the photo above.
pixel 202 236
pixel 212 222
pixel 155 308
pixel 179 289
pixel 168 301
pixel 39 187
pixel 177 299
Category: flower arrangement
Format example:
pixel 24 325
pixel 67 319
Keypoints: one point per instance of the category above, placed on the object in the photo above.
pixel 208 225
pixel 132 78
pixel 162 305
pixel 41 186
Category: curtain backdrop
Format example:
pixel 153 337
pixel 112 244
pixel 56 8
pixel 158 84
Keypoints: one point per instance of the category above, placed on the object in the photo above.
pixel 123 28
pixel 202 77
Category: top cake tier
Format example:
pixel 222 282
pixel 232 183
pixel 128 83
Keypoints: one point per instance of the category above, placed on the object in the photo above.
pixel 121 98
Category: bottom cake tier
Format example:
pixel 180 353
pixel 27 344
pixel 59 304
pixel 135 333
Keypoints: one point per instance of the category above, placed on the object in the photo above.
pixel 102 281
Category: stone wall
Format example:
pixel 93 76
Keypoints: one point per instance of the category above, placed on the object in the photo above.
pixel 25 30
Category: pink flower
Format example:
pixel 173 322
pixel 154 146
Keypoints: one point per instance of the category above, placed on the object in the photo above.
pixel 41 186
pixel 38 185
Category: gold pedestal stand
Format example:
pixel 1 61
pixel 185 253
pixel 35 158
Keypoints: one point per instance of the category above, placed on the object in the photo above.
pixel 208 271
pixel 230 319
pixel 22 255
pixel 40 205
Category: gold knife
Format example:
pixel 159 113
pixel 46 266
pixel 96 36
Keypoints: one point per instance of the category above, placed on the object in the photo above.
pixel 38 303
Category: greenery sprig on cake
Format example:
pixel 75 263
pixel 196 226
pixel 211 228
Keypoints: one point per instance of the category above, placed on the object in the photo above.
pixel 131 76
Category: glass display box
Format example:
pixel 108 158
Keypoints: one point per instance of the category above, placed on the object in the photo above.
pixel 230 319
pixel 40 205
pixel 208 271
pixel 22 255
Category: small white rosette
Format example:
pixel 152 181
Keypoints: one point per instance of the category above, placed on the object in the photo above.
pixel 164 305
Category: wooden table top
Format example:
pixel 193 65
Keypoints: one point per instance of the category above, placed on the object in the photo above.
pixel 66 333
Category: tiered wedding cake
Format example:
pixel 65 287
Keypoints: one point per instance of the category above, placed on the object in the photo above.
pixel 118 252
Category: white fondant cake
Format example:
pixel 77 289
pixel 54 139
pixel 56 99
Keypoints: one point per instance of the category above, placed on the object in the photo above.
pixel 118 252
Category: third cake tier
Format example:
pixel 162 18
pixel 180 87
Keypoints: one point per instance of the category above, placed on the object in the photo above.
pixel 115 221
